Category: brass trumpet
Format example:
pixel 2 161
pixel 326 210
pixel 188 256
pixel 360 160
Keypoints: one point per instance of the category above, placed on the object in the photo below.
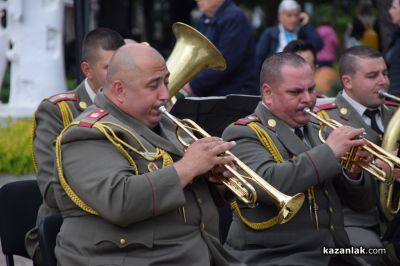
pixel 238 184
pixel 392 97
pixel 350 158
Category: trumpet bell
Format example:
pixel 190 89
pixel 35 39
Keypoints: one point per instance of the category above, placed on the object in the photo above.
pixel 192 53
pixel 290 208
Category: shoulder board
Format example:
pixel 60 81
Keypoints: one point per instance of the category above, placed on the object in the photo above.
pixel 326 106
pixel 64 96
pixel 91 118
pixel 246 120
pixel 390 103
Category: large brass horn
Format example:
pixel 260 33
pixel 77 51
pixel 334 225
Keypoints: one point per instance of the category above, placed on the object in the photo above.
pixel 373 149
pixel 192 53
pixel 388 196
pixel 288 206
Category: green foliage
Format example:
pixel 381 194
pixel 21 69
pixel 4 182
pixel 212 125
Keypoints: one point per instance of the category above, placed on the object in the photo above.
pixel 15 147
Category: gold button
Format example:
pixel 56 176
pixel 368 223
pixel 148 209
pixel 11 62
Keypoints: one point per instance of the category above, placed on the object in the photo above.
pixel 332 227
pixel 331 209
pixel 82 105
pixel 122 241
pixel 271 122
pixel 343 111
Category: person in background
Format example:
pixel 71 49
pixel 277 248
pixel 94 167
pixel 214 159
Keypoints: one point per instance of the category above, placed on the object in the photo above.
pixel 293 24
pixel 57 111
pixel 364 29
pixel 143 200
pixel 327 55
pixel 227 27
pixel 304 49
pixel 392 56
pixel 281 144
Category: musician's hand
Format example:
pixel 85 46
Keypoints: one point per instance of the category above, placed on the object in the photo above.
pixel 343 138
pixel 363 158
pixel 202 156
pixel 385 167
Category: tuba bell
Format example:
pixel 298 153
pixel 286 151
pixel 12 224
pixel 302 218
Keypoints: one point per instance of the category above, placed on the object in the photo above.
pixel 192 53
pixel 388 196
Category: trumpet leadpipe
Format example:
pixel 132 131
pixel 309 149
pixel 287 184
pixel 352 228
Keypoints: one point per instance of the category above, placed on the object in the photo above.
pixel 392 97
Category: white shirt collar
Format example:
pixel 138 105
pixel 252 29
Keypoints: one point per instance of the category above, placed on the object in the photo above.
pixel 89 90
pixel 356 105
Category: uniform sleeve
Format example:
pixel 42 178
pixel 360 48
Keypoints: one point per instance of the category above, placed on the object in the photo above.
pixel 233 37
pixel 293 175
pixel 48 125
pixel 104 179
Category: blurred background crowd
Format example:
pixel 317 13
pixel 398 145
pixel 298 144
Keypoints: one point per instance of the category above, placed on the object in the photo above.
pixel 339 23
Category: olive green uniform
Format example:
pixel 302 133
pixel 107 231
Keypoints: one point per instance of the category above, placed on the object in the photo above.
pixel 144 216
pixel 297 242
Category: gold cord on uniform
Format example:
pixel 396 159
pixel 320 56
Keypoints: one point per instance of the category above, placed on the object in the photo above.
pixel 66 116
pixel 123 148
pixel 268 143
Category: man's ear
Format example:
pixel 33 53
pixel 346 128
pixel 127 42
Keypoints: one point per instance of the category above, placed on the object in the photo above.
pixel 85 67
pixel 266 93
pixel 119 90
pixel 347 82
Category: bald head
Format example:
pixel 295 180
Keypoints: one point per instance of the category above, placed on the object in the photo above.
pixel 128 62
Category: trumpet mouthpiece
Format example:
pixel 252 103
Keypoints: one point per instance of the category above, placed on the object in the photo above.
pixel 162 109
pixel 382 93
pixel 307 110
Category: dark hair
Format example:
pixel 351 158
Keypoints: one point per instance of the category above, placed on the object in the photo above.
pixel 348 62
pixel 299 46
pixel 272 67
pixel 103 38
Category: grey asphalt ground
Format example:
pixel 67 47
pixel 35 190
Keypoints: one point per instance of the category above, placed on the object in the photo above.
pixel 19 261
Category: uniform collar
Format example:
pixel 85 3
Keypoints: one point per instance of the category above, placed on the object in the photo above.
pixel 89 90
pixel 356 105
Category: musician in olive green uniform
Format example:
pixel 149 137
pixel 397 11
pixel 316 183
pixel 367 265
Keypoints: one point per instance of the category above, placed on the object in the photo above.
pixel 281 144
pixel 57 111
pixel 128 194
pixel 363 73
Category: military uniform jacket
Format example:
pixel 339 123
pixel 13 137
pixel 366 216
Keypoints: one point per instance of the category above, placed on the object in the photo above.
pixel 144 218
pixel 296 242
pixel 344 113
pixel 48 124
